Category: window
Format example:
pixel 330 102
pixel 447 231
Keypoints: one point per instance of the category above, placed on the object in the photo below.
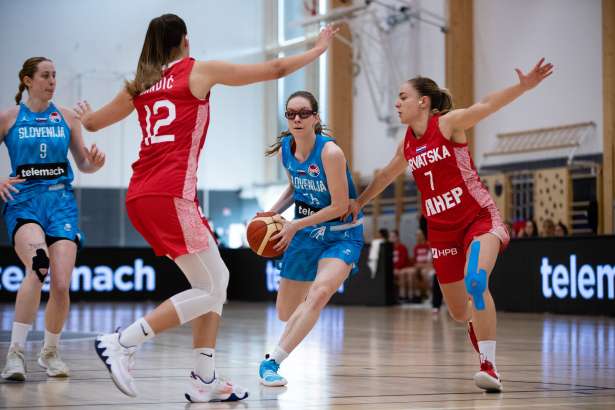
pixel 287 39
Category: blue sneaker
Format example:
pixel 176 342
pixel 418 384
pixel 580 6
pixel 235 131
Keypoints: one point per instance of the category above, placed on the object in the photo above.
pixel 268 372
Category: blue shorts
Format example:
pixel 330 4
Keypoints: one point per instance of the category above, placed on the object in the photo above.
pixel 310 245
pixel 54 210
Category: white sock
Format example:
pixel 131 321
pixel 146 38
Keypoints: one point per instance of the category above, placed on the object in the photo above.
pixel 487 350
pixel 51 339
pixel 205 363
pixel 19 334
pixel 278 355
pixel 137 333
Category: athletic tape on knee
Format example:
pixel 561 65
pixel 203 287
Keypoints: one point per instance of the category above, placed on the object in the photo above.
pixel 209 280
pixel 476 280
pixel 40 261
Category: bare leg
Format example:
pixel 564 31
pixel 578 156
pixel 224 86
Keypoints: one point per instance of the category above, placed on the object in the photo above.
pixel 205 330
pixel 484 320
pixel 28 239
pixel 331 274
pixel 400 283
pixel 62 254
pixel 290 295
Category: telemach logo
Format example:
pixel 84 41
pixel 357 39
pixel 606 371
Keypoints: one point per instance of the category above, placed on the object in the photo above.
pixel 42 171
pixel 572 281
pixel 101 278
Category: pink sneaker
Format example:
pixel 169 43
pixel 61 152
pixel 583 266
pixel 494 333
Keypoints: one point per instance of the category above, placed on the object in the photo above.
pixel 215 390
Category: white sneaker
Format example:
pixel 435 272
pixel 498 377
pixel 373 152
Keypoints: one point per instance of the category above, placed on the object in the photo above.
pixel 216 390
pixel 488 378
pixel 15 368
pixel 49 359
pixel 119 361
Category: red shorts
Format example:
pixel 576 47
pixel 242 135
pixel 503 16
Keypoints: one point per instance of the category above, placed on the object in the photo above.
pixel 449 247
pixel 172 226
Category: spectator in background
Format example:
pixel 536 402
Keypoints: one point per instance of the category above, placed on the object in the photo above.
pixel 384 234
pixel 561 230
pixel 423 225
pixel 530 230
pixel 517 228
pixel 400 263
pixel 419 273
pixel 511 229
pixel 548 228
pixel 436 292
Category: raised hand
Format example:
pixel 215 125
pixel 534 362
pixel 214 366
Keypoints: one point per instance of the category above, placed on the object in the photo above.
pixel 535 75
pixel 326 36
pixel 95 156
pixel 6 187
pixel 83 110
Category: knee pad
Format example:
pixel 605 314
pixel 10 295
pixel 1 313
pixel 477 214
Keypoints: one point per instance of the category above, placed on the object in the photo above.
pixel 40 261
pixel 476 280
pixel 209 279
pixel 194 302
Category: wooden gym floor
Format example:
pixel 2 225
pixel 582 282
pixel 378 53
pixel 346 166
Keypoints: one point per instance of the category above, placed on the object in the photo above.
pixel 355 358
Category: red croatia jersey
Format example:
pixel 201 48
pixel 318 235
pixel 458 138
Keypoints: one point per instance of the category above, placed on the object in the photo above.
pixel 174 126
pixel 451 191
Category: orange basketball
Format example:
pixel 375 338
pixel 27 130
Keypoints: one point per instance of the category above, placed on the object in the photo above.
pixel 260 230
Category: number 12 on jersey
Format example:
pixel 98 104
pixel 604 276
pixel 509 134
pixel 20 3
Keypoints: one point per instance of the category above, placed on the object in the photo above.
pixel 152 132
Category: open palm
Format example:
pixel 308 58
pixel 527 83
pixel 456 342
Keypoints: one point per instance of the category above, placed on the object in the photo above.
pixel 535 75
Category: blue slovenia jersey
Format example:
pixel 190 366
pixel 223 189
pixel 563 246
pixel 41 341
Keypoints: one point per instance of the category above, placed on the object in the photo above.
pixel 38 146
pixel 309 180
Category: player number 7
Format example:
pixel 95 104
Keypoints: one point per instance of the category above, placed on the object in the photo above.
pixel 430 179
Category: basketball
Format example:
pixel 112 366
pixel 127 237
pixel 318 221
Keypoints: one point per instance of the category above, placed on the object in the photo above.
pixel 260 230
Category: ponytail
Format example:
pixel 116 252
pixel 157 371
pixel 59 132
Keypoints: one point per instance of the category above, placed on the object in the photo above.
pixel 444 103
pixel 275 147
pixel 162 40
pixel 22 88
pixel 440 98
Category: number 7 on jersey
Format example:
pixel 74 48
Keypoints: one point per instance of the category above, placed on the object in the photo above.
pixel 430 179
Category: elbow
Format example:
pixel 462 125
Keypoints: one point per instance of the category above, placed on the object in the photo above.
pixel 278 69
pixel 384 177
pixel 89 123
pixel 90 127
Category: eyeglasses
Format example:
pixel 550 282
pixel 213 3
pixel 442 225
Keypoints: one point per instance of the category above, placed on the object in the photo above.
pixel 303 114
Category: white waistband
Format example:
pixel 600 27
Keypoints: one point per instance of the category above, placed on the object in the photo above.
pixel 56 187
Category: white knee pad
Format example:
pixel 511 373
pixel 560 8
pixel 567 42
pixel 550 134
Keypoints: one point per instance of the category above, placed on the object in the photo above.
pixel 209 277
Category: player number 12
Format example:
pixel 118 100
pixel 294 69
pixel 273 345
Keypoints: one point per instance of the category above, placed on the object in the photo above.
pixel 152 132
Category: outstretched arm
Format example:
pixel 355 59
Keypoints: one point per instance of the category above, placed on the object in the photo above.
pixel 116 110
pixel 210 73
pixel 462 119
pixel 383 178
